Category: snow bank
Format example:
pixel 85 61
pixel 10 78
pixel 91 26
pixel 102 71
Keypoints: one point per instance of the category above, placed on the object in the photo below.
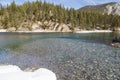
pixel 92 31
pixel 33 31
pixel 2 30
pixel 11 72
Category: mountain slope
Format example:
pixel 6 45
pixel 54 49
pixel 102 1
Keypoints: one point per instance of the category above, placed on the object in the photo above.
pixel 109 8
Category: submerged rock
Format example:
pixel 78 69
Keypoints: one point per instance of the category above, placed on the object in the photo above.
pixel 116 42
pixel 70 59
pixel 116 45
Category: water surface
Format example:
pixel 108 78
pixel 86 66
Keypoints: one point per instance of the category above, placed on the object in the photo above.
pixel 71 56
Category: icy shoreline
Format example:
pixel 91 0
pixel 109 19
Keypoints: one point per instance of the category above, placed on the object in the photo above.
pixel 11 72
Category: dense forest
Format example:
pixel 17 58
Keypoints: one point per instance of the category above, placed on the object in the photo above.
pixel 14 15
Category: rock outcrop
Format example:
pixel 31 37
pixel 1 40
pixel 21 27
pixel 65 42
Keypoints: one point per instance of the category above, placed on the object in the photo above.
pixel 109 8
pixel 48 25
pixel 41 26
pixel 112 9
pixel 11 29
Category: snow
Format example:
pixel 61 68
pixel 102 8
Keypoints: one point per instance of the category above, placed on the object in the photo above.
pixel 93 31
pixel 39 30
pixel 2 30
pixel 11 72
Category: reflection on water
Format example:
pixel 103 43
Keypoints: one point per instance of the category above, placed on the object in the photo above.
pixel 70 56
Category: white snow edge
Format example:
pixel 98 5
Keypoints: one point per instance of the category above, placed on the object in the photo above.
pixel 12 72
pixel 36 31
pixel 2 30
pixel 93 31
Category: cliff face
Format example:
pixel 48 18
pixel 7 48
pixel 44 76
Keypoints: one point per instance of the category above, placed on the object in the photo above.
pixel 112 9
pixel 109 8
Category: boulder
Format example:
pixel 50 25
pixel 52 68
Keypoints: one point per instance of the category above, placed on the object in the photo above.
pixel 65 28
pixel 22 29
pixel 35 26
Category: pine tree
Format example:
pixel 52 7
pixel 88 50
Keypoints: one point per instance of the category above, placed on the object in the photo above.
pixel 31 12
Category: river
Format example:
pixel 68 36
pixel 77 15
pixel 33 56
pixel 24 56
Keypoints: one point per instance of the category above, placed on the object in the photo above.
pixel 71 56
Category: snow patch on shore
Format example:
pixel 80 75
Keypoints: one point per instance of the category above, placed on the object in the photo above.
pixel 45 31
pixel 93 31
pixel 36 31
pixel 3 30
pixel 11 72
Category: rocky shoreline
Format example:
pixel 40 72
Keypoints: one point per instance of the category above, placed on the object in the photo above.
pixel 49 26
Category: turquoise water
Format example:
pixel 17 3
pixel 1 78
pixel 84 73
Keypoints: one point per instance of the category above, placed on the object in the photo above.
pixel 7 39
pixel 71 56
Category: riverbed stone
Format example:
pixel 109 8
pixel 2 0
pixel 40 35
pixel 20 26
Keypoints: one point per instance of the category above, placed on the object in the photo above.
pixel 70 59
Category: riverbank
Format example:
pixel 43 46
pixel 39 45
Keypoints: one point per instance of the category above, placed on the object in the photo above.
pixel 45 31
pixel 93 31
pixel 33 31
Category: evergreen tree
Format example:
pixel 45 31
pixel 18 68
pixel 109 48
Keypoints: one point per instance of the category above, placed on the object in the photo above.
pixel 13 15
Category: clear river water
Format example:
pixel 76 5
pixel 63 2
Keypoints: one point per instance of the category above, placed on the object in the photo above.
pixel 71 56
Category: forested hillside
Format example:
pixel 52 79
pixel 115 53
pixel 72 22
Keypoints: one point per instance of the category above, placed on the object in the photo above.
pixel 43 15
